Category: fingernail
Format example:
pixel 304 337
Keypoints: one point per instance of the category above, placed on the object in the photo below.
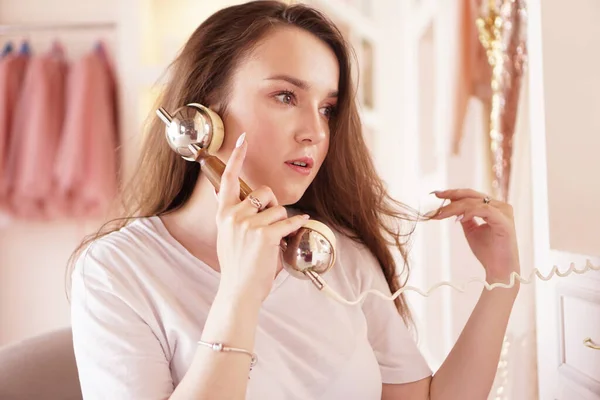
pixel 306 216
pixel 431 214
pixel 459 217
pixel 434 192
pixel 240 140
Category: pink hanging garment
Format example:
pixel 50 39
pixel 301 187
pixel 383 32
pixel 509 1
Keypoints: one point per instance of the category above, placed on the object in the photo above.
pixel 12 72
pixel 37 129
pixel 86 165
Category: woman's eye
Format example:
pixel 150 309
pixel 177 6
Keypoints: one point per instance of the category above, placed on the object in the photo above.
pixel 285 98
pixel 328 111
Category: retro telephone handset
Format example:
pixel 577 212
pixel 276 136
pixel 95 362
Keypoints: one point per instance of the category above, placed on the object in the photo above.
pixel 195 132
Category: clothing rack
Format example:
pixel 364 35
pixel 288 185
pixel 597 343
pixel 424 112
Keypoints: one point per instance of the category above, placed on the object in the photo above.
pixel 28 28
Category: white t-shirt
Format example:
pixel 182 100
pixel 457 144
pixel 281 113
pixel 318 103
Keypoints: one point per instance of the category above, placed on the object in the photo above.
pixel 140 301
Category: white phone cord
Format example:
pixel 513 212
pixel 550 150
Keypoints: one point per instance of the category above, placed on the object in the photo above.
pixel 513 277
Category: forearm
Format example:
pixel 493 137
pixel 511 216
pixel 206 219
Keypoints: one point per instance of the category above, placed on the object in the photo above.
pixel 469 370
pixel 222 375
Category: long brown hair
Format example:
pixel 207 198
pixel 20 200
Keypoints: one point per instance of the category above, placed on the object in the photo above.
pixel 347 193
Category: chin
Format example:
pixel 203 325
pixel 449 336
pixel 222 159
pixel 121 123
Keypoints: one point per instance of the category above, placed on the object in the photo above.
pixel 287 196
pixel 289 199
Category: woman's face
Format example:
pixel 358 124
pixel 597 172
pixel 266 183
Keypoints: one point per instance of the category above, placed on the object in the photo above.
pixel 282 96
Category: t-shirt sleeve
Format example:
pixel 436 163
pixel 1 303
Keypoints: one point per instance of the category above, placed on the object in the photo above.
pixel 118 356
pixel 399 358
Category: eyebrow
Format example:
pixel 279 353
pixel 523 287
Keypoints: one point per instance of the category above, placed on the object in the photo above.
pixel 298 83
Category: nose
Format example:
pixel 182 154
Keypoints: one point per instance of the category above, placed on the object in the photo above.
pixel 313 127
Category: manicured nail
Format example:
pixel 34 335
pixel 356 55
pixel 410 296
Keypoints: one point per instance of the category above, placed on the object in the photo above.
pixel 459 217
pixel 240 140
pixel 306 216
pixel 431 214
pixel 434 192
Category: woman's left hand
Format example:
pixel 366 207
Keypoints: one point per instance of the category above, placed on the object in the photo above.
pixel 493 242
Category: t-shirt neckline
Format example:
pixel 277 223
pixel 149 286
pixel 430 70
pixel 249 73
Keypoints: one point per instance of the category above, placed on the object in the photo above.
pixel 164 232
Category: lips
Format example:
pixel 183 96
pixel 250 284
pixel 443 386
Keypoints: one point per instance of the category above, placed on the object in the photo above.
pixel 303 165
pixel 304 162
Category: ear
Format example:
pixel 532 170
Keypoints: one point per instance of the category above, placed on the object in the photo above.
pixel 217 107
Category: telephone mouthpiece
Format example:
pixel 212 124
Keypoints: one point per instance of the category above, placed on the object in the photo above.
pixel 310 250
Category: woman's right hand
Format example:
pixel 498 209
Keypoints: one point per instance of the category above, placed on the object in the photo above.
pixel 248 240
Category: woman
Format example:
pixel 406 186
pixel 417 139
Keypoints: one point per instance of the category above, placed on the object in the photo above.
pixel 154 300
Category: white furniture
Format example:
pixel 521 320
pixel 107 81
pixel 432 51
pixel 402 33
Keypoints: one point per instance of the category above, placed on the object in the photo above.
pixel 564 148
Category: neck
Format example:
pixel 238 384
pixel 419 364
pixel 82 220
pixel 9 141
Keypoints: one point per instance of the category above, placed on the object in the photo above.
pixel 194 224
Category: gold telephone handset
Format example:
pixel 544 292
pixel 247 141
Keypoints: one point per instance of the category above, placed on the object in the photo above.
pixel 195 132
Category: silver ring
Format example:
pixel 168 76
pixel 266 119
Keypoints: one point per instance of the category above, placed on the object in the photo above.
pixel 255 202
pixel 486 200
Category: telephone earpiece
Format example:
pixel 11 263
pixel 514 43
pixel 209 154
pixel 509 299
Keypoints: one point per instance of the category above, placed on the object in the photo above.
pixel 194 125
pixel 195 132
